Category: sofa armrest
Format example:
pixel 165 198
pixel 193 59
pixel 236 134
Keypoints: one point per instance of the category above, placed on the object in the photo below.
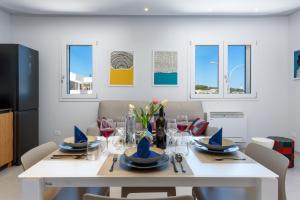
pixel 93 130
pixel 211 130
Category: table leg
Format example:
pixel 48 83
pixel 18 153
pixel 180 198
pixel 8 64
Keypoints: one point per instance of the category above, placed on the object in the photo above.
pixel 32 189
pixel 267 189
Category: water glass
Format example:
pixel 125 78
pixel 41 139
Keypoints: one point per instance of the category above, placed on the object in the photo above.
pixel 171 135
pixel 92 152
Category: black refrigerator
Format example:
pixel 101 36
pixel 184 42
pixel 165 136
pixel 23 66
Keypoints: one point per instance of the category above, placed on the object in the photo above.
pixel 19 91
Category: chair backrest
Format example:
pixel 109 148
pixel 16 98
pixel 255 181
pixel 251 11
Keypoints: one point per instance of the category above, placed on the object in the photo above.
pixel 36 154
pixel 272 160
pixel 96 197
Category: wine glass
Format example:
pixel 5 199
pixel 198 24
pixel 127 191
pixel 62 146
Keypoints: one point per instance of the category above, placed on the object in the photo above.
pixel 171 134
pixel 107 129
pixel 182 123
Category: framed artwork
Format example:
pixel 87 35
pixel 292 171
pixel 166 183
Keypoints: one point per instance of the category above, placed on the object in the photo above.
pixel 165 68
pixel 296 73
pixel 121 68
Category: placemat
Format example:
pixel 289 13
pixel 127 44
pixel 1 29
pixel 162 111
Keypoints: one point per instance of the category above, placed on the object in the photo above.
pixel 211 158
pixel 121 171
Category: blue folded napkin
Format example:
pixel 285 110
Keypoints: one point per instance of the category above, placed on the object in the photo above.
pixel 216 139
pixel 79 136
pixel 143 148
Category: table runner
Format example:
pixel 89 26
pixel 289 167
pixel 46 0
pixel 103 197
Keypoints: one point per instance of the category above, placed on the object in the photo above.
pixel 211 158
pixel 160 172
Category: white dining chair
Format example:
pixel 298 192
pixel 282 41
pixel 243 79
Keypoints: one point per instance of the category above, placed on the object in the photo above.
pixel 96 197
pixel 125 191
pixel 38 153
pixel 269 158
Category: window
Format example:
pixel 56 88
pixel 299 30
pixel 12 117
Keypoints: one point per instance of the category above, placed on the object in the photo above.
pixel 207 69
pixel 77 71
pixel 213 78
pixel 239 69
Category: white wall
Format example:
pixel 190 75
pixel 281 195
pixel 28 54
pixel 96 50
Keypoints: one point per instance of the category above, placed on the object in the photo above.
pixel 266 116
pixel 4 27
pixel 294 85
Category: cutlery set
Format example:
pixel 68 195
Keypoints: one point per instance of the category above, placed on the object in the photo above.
pixel 75 156
pixel 231 158
pixel 179 159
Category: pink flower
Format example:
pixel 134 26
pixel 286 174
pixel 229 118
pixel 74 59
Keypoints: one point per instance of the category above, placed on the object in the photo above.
pixel 155 101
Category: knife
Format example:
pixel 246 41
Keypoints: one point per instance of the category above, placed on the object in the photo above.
pixel 174 165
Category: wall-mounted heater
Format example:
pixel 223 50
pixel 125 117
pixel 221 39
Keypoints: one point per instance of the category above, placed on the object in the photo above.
pixel 234 124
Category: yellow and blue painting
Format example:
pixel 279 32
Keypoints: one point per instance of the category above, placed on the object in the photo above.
pixel 165 68
pixel 297 64
pixel 121 68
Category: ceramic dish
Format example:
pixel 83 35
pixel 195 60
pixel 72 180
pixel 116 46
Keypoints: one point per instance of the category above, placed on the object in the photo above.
pixel 226 144
pixel 163 162
pixel 67 148
pixel 71 142
pixel 156 155
pixel 226 151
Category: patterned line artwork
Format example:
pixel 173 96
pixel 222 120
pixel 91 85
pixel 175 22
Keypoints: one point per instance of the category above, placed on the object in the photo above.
pixel 121 68
pixel 165 68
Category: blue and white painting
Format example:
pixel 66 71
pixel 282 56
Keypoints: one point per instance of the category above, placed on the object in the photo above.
pixel 165 68
pixel 297 64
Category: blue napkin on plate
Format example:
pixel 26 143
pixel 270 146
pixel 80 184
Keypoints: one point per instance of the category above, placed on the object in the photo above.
pixel 79 136
pixel 143 148
pixel 216 139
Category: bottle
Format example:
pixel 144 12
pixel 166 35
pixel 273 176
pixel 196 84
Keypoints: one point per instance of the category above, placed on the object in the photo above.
pixel 130 128
pixel 161 137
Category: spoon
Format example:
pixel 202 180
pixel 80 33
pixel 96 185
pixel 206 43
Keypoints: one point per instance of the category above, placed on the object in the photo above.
pixel 179 159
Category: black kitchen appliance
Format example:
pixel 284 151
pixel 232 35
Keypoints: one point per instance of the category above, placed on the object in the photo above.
pixel 19 91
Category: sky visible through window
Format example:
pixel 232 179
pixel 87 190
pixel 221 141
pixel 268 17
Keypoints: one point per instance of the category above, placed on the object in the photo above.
pixel 81 59
pixel 236 66
pixel 207 66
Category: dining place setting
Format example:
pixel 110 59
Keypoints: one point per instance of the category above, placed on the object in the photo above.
pixel 79 146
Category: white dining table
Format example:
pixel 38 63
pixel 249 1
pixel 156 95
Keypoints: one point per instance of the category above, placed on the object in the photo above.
pixel 84 173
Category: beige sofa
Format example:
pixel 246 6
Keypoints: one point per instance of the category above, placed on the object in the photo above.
pixel 115 109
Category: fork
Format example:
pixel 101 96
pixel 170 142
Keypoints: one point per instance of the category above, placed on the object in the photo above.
pixel 115 159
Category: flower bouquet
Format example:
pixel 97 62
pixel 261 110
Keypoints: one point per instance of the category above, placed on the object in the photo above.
pixel 144 116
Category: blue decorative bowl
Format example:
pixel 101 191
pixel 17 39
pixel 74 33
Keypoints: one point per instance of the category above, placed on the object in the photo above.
pixel 155 155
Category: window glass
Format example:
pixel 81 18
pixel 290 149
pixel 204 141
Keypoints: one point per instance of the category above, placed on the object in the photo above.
pixel 239 64
pixel 80 69
pixel 206 69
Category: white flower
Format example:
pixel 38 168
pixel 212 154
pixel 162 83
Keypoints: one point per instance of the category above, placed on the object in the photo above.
pixel 131 106
pixel 164 102
pixel 147 108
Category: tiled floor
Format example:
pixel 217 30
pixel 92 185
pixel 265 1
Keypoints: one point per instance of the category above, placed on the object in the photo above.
pixel 10 187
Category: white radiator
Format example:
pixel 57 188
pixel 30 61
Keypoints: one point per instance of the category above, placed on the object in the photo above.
pixel 234 124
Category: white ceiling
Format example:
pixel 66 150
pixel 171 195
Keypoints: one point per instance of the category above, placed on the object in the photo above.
pixel 156 7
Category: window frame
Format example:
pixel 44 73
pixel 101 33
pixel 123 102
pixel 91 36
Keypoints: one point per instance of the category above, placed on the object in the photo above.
pixel 252 94
pixel 223 70
pixel 193 69
pixel 65 73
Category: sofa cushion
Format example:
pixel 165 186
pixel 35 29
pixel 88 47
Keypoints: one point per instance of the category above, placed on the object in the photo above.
pixel 114 109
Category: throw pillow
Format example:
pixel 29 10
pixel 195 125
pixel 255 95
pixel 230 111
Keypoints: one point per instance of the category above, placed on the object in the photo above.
pixel 198 127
